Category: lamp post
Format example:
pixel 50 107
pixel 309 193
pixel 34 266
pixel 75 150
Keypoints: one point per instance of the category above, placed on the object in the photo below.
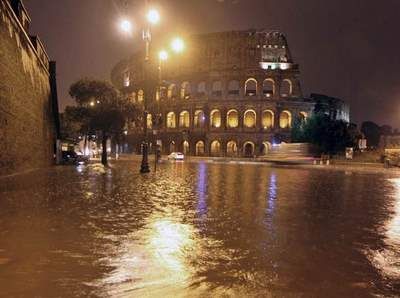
pixel 177 46
pixel 153 18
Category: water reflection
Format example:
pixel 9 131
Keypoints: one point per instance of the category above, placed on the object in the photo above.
pixel 151 259
pixel 202 190
pixel 199 230
pixel 387 259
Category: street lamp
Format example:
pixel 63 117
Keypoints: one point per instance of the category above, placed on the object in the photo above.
pixel 163 55
pixel 153 16
pixel 126 26
pixel 177 45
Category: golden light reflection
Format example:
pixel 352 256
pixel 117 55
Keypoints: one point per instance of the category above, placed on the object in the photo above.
pixel 168 242
pixel 386 260
pixel 157 263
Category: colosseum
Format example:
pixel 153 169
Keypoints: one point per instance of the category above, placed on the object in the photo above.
pixel 232 94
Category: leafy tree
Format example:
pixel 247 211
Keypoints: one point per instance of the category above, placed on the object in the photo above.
pixel 102 109
pixel 74 123
pixel 330 136
pixel 372 133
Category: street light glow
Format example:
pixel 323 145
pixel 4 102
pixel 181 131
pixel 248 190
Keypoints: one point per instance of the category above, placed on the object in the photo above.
pixel 126 26
pixel 178 45
pixel 163 55
pixel 153 16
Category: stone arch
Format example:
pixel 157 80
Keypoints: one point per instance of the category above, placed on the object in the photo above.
pixel 217 88
pixel 231 149
pixel 233 87
pixel 185 148
pixel 172 91
pixel 215 118
pixel 171 120
pixel 303 116
pixel 232 119
pixel 250 87
pixel 250 119
pixel 186 90
pixel 248 149
pixel 184 119
pixel 285 119
pixel 267 119
pixel 199 119
pixel 215 148
pixel 149 121
pixel 140 95
pixel 286 88
pixel 200 148
pixel 265 148
pixel 202 88
pixel 269 87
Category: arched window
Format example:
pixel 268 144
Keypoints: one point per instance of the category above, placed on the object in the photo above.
pixel 149 121
pixel 267 120
pixel 233 88
pixel 184 119
pixel 140 95
pixel 163 92
pixel 172 91
pixel 199 119
pixel 185 147
pixel 171 120
pixel 251 87
pixel 132 97
pixel 268 87
pixel 185 90
pixel 231 148
pixel 200 148
pixel 303 116
pixel 286 88
pixel 248 149
pixel 215 148
pixel 265 148
pixel 285 119
pixel 215 119
pixel 217 88
pixel 232 119
pixel 250 119
pixel 201 89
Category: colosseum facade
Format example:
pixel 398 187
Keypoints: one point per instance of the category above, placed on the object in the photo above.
pixel 231 94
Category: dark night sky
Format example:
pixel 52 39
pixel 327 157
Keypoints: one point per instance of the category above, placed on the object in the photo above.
pixel 345 48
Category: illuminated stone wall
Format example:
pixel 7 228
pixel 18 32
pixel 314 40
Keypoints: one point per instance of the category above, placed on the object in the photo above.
pixel 27 133
pixel 245 85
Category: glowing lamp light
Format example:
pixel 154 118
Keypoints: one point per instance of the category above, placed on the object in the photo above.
pixel 126 26
pixel 92 103
pixel 163 55
pixel 178 45
pixel 153 16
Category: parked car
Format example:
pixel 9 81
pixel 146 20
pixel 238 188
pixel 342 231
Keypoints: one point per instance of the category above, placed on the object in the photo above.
pixel 176 156
pixel 70 157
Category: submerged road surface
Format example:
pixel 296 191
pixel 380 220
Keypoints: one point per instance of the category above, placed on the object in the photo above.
pixel 199 230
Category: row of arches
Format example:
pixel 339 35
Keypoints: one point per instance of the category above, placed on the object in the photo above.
pixel 233 88
pixel 216 148
pixel 232 119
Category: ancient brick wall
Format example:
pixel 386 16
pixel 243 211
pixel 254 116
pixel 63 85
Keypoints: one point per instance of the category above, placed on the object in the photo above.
pixel 27 133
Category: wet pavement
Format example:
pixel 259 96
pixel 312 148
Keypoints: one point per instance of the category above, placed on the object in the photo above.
pixel 199 230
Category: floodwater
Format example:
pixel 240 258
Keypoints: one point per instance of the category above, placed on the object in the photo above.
pixel 199 230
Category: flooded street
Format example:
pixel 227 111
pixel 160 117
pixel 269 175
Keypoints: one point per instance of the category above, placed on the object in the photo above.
pixel 198 230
